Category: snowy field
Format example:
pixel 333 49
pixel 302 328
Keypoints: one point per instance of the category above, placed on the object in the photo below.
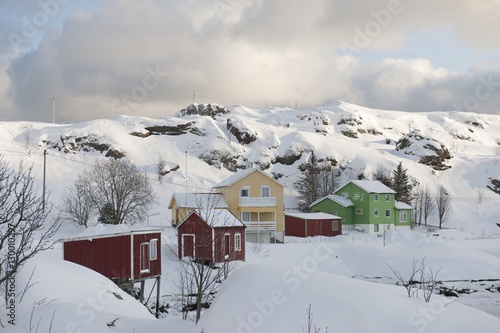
pixel 346 280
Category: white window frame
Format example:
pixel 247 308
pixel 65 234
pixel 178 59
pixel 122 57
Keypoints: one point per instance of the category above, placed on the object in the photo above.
pixel 268 191
pixel 375 197
pixel 237 241
pixel 335 225
pixel 345 195
pixel 247 189
pixel 405 214
pixel 358 211
pixel 249 216
pixel 375 228
pixel 153 249
pixel 335 212
pixel 387 197
pixel 375 213
pixel 387 211
pixel 147 270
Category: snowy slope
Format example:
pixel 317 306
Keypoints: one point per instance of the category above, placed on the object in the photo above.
pixel 202 150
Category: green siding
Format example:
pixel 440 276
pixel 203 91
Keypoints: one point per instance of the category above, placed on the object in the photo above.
pixel 366 202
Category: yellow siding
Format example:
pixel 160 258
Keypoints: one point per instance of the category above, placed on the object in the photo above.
pixel 254 181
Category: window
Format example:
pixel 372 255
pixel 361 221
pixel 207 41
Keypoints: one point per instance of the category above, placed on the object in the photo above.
pixel 335 212
pixel 153 249
pixel 265 191
pixel 387 197
pixel 387 213
pixel 402 216
pixel 335 225
pixel 144 259
pixel 375 197
pixel 375 227
pixel 375 213
pixel 345 195
pixel 245 216
pixel 237 242
pixel 245 192
pixel 359 211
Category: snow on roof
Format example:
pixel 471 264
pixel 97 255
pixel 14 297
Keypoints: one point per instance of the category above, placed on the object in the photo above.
pixel 337 198
pixel 108 230
pixel 204 200
pixel 372 186
pixel 240 175
pixel 313 216
pixel 216 218
pixel 402 205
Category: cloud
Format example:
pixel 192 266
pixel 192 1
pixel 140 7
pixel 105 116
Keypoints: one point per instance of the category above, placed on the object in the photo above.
pixel 99 59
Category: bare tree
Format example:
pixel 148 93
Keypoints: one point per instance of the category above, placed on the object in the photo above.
pixel 26 226
pixel 160 165
pixel 421 280
pixel 76 203
pixel 117 190
pixel 327 180
pixel 311 328
pixel 200 277
pixel 443 205
pixel 428 204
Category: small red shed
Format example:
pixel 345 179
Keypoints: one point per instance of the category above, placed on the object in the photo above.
pixel 124 254
pixel 213 235
pixel 312 224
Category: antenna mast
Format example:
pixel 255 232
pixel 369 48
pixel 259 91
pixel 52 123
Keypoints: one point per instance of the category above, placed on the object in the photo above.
pixel 53 109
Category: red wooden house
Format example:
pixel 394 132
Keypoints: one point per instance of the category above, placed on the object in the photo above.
pixel 123 254
pixel 213 235
pixel 312 224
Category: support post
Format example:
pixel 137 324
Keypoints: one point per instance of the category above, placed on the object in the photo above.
pixel 141 294
pixel 157 295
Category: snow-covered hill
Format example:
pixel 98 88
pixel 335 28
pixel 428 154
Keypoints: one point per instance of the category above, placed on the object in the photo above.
pixel 204 144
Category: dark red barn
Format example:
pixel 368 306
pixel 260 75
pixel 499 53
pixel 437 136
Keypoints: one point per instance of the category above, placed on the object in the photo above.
pixel 122 254
pixel 312 224
pixel 214 235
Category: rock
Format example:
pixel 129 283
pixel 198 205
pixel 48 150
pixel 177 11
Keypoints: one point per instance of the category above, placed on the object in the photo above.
pixel 243 133
pixel 209 110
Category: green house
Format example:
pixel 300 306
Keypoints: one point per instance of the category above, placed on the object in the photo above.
pixel 366 204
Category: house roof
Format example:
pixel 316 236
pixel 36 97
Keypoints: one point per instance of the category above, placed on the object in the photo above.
pixel 402 206
pixel 313 216
pixel 110 230
pixel 242 174
pixel 216 218
pixel 344 202
pixel 199 200
pixel 370 186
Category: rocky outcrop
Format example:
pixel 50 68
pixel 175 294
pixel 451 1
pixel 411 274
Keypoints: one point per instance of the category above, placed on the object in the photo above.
pixel 180 129
pixel 91 143
pixel 430 151
pixel 243 132
pixel 208 110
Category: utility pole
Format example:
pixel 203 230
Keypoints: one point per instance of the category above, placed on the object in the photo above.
pixel 44 168
pixel 53 109
pixel 186 199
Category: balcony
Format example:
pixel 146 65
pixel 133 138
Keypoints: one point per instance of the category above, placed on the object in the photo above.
pixel 254 226
pixel 257 202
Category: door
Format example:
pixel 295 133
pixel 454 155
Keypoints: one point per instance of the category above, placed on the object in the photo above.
pixel 188 246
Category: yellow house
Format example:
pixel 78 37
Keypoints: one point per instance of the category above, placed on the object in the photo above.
pixel 181 204
pixel 257 200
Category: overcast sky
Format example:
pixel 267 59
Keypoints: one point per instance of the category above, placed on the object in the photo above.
pixel 102 58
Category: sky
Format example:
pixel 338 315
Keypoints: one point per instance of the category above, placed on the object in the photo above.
pixel 152 58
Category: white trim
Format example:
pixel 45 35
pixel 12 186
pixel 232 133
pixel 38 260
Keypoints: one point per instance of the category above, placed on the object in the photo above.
pixel 245 188
pixel 263 187
pixel 155 241
pixel 229 245
pixel 132 257
pixel 184 243
pixel 143 271
pixel 239 241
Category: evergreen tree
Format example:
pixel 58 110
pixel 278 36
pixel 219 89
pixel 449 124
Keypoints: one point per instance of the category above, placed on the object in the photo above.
pixel 307 184
pixel 401 184
pixel 107 214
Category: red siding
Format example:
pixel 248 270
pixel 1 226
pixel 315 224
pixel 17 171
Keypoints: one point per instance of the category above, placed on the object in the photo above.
pixel 298 227
pixel 294 226
pixel 154 265
pixel 202 232
pixel 109 256
pixel 205 242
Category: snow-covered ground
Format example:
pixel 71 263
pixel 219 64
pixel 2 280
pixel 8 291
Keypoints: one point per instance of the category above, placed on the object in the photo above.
pixel 346 280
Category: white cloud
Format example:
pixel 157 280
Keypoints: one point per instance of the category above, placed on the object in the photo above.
pixel 251 51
